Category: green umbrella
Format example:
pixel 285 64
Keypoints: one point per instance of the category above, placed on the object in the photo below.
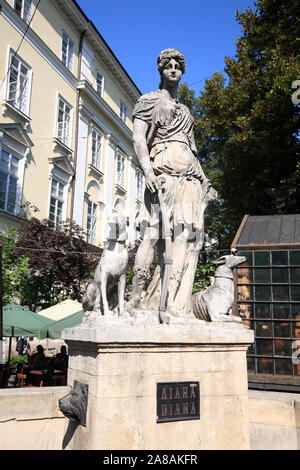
pixel 54 329
pixel 20 321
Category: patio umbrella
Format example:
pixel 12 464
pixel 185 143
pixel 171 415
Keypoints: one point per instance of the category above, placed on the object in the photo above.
pixel 61 310
pixel 54 329
pixel 20 321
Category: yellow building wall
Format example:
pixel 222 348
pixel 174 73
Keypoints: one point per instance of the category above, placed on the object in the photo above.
pixel 48 23
pixel 112 92
pixel 115 131
pixel 47 82
pixel 45 87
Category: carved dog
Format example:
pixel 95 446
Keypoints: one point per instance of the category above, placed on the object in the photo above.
pixel 74 405
pixel 215 302
pixel 111 267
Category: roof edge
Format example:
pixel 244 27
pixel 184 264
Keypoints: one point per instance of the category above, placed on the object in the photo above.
pixel 90 22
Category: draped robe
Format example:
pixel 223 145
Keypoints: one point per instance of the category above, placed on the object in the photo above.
pixel 172 151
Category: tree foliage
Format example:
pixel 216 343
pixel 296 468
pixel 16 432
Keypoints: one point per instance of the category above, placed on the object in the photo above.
pixel 59 266
pixel 247 128
pixel 14 267
pixel 204 273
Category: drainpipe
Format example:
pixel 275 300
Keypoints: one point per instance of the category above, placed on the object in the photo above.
pixel 76 126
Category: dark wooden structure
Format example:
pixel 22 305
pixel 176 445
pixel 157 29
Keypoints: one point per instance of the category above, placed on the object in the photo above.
pixel 267 297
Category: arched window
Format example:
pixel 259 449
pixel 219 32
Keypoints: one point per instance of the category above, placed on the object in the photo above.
pixel 121 169
pixel 119 205
pixel 91 222
pixel 92 198
pixel 96 149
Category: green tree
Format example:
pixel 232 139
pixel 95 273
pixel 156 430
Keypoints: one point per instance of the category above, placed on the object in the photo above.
pixel 247 129
pixel 14 267
pixel 59 262
pixel 204 272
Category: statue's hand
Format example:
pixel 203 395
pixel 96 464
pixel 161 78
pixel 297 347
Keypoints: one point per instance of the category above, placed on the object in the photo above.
pixel 150 180
pixel 211 194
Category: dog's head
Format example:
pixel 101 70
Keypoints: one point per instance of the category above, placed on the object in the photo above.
pixel 74 405
pixel 118 227
pixel 230 261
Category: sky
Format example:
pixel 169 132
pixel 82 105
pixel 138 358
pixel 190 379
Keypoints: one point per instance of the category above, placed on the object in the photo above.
pixel 205 31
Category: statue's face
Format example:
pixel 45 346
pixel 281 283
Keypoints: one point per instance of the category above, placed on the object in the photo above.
pixel 171 74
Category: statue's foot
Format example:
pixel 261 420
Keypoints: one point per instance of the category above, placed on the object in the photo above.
pixel 124 314
pixel 108 313
pixel 164 317
pixel 226 318
pixel 172 311
pixel 133 303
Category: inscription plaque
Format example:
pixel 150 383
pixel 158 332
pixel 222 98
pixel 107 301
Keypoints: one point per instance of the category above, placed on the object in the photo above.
pixel 178 401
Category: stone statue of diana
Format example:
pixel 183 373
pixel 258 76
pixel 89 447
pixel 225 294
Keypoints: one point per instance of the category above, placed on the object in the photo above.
pixel 164 144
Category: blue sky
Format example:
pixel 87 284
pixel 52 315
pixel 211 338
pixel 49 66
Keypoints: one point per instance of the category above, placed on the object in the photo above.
pixel 205 31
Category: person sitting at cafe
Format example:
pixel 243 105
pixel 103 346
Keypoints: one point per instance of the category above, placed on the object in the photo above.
pixel 60 361
pixel 38 360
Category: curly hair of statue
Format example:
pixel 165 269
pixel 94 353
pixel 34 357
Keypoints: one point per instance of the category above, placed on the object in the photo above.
pixel 166 55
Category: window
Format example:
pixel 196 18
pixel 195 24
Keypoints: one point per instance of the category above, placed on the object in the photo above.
pixel 96 149
pixel 123 111
pixel 139 185
pixel 121 170
pixel 67 51
pixel 91 222
pixel 23 8
pixel 269 301
pixel 9 171
pixel 87 65
pixel 100 83
pixel 56 202
pixel 63 129
pixel 18 83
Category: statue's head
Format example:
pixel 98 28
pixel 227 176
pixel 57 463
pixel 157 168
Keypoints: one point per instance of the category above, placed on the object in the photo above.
pixel 118 227
pixel 166 56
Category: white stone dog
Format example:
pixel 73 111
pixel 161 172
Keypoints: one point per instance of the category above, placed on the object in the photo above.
pixel 214 303
pixel 111 268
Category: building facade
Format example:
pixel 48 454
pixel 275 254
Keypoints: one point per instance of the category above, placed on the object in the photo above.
pixel 267 297
pixel 66 121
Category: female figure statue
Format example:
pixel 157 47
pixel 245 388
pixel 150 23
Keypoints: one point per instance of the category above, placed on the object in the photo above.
pixel 164 144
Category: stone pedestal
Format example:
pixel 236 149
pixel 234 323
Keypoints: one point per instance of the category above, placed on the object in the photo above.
pixel 123 360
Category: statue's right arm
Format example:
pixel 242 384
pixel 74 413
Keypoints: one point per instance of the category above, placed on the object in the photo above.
pixel 140 129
